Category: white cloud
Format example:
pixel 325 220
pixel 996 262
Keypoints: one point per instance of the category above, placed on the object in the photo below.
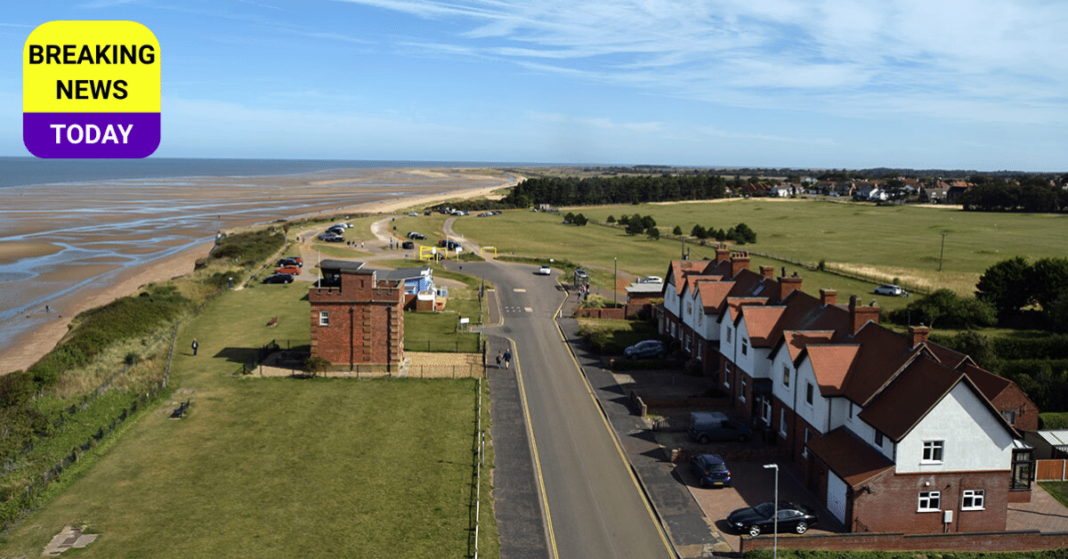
pixel 963 59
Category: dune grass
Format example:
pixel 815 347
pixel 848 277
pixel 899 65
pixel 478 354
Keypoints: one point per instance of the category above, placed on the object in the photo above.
pixel 278 467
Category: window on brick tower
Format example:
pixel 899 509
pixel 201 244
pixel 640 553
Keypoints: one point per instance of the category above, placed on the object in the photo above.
pixel 324 318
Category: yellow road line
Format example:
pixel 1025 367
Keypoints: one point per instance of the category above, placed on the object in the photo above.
pixel 537 459
pixel 612 433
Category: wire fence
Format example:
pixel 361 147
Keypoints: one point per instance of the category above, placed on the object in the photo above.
pixel 479 455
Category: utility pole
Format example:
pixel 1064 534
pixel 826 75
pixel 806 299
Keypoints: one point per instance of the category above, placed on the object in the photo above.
pixel 943 251
pixel 775 521
pixel 615 281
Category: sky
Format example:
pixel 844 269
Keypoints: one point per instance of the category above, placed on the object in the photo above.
pixel 947 84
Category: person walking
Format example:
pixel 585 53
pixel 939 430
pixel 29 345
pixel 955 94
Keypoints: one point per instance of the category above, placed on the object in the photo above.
pixel 507 359
pixel 498 360
pixel 196 346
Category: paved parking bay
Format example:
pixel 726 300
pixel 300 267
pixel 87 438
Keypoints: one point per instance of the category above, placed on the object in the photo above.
pixel 752 484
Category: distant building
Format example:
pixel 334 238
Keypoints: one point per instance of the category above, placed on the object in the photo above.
pixel 356 317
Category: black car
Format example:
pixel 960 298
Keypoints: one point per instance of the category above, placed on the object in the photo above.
pixel 711 470
pixel 407 245
pixel 761 518
pixel 290 262
pixel 331 238
pixel 414 235
pixel 278 278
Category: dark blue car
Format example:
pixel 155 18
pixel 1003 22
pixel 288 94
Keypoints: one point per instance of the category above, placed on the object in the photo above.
pixel 711 470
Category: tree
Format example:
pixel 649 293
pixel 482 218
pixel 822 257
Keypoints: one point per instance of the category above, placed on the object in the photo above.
pixel 646 221
pixel 624 219
pixel 1004 285
pixel 611 219
pixel 677 230
pixel 634 227
pixel 653 233
pixel 580 220
pixel 743 234
pixel 569 217
pixel 1047 280
pixel 699 232
pixel 948 310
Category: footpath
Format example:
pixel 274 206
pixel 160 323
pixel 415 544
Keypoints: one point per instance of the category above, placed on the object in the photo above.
pixel 685 522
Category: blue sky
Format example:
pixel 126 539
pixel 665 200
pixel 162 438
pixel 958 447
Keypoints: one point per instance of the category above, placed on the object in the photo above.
pixel 771 83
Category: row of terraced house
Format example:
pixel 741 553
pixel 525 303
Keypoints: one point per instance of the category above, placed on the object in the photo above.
pixel 893 433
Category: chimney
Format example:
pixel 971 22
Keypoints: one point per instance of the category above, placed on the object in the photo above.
pixel 788 284
pixel 918 335
pixel 723 254
pixel 768 272
pixel 739 262
pixel 828 297
pixel 859 316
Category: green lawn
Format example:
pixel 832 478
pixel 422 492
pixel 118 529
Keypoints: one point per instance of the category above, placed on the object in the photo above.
pixel 279 467
pixel 886 242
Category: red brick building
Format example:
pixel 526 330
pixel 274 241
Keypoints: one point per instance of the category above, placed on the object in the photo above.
pixel 356 319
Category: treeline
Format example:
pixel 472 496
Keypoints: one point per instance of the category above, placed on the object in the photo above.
pixel 573 191
pixel 1033 194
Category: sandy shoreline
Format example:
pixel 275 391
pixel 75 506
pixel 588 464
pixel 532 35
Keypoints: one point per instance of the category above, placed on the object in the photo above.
pixel 49 328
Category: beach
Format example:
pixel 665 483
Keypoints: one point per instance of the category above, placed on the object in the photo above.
pixel 66 248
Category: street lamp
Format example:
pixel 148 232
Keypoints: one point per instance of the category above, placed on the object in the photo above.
pixel 775 519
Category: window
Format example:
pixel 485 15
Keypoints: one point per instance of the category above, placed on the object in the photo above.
pixel 786 376
pixel 743 383
pixel 808 393
pixel 930 501
pixel 324 318
pixel 698 355
pixel 701 319
pixel 804 448
pixel 688 338
pixel 782 422
pixel 673 326
pixel 973 499
pixel 932 451
pixel 1021 469
pixel 689 307
pixel 1010 416
pixel 727 375
pixel 765 412
pixel 745 347
pixel 879 439
pixel 728 334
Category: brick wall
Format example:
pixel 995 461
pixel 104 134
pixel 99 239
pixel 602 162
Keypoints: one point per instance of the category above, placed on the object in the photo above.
pixel 366 321
pixel 623 312
pixel 1031 540
pixel 891 505
pixel 1012 398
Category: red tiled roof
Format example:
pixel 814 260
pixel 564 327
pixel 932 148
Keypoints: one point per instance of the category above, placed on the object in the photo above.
pixel 795 341
pixel 908 399
pixel 760 321
pixel 948 357
pixel 713 294
pixel 849 457
pixel 988 383
pixel 734 304
pixel 831 363
pixel 882 355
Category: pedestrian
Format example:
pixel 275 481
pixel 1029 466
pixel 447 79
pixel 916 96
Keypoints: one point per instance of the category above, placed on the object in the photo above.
pixel 507 359
pixel 48 309
pixel 498 360
pixel 195 347
pixel 361 244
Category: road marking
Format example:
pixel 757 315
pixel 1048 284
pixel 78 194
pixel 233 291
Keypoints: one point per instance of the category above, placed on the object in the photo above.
pixel 519 290
pixel 612 434
pixel 528 309
pixel 534 450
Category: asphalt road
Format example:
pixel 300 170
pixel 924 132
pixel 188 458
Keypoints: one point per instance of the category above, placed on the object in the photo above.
pixel 591 501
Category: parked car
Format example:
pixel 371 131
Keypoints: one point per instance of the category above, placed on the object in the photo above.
pixel 414 235
pixel 291 262
pixel 278 278
pixel 448 244
pixel 651 279
pixel 715 426
pixel 889 289
pixel 545 270
pixel 408 245
pixel 581 275
pixel 331 238
pixel 761 518
pixel 413 214
pixel 337 230
pixel 711 470
pixel 648 348
pixel 291 270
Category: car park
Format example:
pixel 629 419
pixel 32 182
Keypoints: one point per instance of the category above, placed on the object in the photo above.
pixel 711 470
pixel 544 270
pixel 716 426
pixel 761 518
pixel 889 289
pixel 278 278
pixel 648 348
pixel 290 270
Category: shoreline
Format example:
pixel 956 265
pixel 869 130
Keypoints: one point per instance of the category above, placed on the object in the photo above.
pixel 26 349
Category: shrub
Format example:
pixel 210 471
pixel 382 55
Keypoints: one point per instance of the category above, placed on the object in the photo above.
pixel 316 364
pixel 16 389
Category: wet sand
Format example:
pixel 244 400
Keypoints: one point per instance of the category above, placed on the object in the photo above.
pixel 67 248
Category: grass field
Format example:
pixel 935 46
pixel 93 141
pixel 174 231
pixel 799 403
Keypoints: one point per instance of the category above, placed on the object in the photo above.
pixel 884 242
pixel 278 467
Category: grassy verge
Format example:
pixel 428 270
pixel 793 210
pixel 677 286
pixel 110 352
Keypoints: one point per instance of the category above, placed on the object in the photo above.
pixel 611 337
pixel 815 554
pixel 1058 489
pixel 279 467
